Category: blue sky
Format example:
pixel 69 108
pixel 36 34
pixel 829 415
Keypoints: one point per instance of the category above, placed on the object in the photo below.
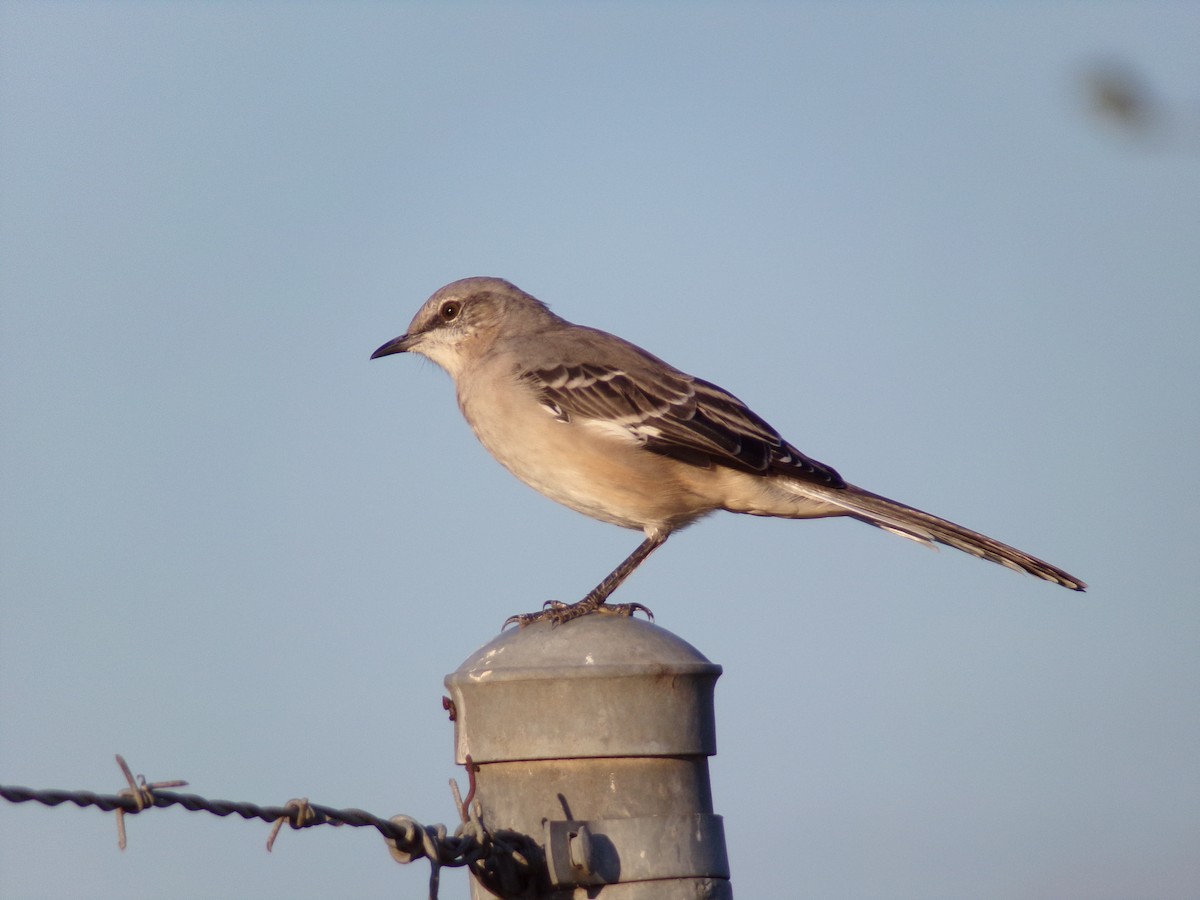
pixel 239 553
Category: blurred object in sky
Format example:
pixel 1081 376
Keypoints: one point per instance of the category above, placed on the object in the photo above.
pixel 1121 96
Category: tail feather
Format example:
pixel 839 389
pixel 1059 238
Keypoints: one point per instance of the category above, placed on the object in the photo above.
pixel 917 525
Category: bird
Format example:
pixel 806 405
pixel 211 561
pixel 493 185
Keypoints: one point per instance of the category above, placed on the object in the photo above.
pixel 605 428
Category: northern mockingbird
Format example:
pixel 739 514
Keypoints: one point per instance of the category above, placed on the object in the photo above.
pixel 603 427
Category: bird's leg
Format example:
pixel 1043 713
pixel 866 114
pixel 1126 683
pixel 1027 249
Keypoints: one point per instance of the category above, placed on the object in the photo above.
pixel 594 601
pixel 599 594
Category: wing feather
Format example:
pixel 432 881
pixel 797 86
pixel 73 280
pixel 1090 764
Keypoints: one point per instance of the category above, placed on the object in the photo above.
pixel 676 415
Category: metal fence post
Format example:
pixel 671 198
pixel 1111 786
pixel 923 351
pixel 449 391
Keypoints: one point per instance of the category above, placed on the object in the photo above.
pixel 593 737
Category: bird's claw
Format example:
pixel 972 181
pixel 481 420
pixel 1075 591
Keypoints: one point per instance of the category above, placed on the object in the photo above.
pixel 557 613
pixel 544 614
pixel 625 609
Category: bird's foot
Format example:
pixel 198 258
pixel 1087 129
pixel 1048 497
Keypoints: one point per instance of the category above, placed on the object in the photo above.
pixel 625 609
pixel 557 613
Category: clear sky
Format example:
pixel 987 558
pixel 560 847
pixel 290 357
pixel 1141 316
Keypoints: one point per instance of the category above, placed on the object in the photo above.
pixel 238 552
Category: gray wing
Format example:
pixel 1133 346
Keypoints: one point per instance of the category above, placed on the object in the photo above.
pixel 676 415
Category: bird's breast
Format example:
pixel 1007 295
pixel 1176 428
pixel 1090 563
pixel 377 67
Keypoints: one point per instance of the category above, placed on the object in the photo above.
pixel 591 467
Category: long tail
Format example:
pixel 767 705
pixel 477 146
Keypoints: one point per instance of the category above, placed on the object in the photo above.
pixel 917 525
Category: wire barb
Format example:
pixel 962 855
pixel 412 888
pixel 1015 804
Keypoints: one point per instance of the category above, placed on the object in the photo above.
pixel 301 816
pixel 140 792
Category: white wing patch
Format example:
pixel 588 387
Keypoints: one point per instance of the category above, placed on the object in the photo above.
pixel 612 429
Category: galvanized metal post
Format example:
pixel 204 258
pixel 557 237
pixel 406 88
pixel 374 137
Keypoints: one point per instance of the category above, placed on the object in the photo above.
pixel 593 737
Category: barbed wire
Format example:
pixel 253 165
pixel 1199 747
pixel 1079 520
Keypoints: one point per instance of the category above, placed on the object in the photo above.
pixel 505 862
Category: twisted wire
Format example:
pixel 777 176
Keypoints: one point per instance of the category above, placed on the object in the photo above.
pixel 504 861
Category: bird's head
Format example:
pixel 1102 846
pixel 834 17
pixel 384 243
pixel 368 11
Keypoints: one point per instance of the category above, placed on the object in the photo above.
pixel 462 320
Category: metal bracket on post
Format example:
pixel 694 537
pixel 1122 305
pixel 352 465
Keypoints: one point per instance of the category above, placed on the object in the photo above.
pixel 612 851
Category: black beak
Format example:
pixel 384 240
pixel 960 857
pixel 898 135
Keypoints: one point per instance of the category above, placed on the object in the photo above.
pixel 398 345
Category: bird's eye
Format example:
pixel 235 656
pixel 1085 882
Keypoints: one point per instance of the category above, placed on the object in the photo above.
pixel 450 310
